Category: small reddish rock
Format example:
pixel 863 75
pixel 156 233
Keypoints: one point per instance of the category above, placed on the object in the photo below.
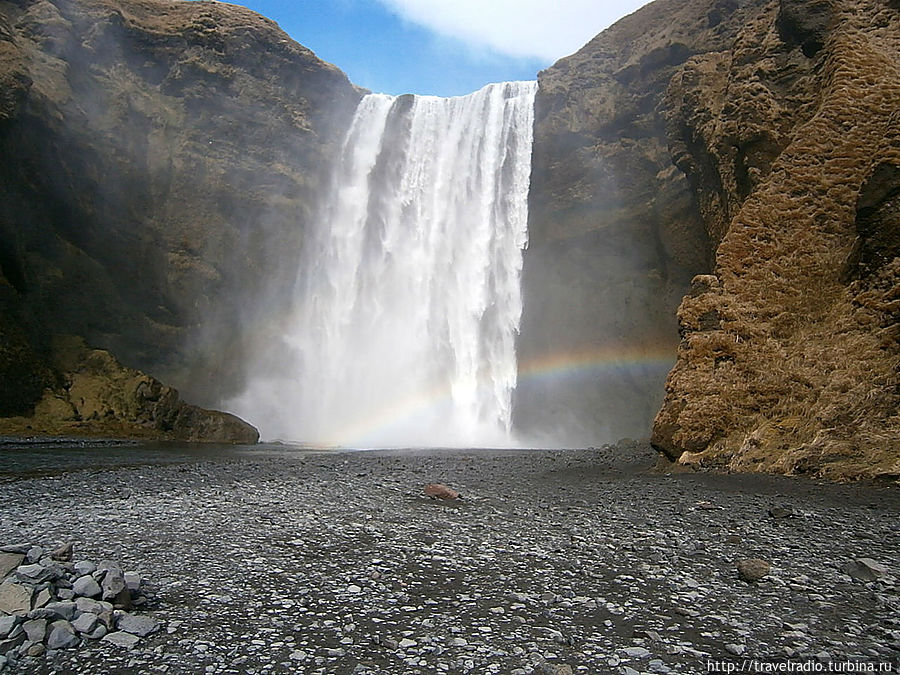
pixel 439 491
pixel 752 569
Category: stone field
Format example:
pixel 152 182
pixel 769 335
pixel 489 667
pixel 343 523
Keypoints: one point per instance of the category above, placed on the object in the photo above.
pixel 553 561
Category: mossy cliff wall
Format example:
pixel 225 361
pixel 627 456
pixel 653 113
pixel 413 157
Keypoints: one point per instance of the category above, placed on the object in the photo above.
pixel 754 144
pixel 790 351
pixel 160 162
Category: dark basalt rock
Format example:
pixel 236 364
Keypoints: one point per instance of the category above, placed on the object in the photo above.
pixel 161 161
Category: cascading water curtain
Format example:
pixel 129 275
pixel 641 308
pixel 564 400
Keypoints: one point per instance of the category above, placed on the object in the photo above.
pixel 408 299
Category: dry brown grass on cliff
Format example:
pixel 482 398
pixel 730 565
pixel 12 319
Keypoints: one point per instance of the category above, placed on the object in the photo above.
pixel 800 374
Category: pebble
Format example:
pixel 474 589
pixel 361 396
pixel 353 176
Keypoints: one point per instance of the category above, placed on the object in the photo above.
pixel 7 623
pixel 132 581
pixel 122 639
pixel 84 567
pixel 141 626
pixel 864 569
pixel 9 562
pixel 589 559
pixel 86 586
pixel 15 598
pixel 86 623
pixel 35 629
pixel 113 583
pixel 61 635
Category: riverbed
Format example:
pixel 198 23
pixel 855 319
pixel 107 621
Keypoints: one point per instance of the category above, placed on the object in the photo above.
pixel 274 559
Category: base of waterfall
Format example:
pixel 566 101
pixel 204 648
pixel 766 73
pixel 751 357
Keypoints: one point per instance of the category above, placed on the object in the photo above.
pixel 275 560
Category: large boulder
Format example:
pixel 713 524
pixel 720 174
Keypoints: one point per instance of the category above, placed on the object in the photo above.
pixel 101 397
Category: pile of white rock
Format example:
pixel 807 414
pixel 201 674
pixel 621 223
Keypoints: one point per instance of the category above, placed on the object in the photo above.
pixel 49 601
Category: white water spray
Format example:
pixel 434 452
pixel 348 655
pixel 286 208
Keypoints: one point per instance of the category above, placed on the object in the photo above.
pixel 408 300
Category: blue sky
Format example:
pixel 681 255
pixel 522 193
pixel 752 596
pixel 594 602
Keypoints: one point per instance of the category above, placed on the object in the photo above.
pixel 441 47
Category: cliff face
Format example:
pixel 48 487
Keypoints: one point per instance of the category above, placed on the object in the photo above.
pixel 615 228
pixel 791 138
pixel 755 144
pixel 160 162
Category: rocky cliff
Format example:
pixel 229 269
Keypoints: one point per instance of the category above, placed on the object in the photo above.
pixel 615 228
pixel 753 144
pixel 160 160
pixel 789 354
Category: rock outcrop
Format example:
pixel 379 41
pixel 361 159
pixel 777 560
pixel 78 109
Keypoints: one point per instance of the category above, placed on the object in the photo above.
pixel 755 145
pixel 615 232
pixel 790 358
pixel 94 395
pixel 161 160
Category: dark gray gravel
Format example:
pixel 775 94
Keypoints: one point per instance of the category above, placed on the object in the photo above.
pixel 555 561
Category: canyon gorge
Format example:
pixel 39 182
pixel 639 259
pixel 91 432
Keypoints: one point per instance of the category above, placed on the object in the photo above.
pixel 713 253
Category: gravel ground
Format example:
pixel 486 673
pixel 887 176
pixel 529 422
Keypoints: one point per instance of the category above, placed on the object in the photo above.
pixel 582 561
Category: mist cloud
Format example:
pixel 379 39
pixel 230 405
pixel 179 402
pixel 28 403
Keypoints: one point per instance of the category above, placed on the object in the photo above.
pixel 518 28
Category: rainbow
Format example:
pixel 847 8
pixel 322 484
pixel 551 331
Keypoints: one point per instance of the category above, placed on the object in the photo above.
pixel 579 363
pixel 594 361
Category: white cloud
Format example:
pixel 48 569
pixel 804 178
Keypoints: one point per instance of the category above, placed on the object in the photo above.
pixel 545 29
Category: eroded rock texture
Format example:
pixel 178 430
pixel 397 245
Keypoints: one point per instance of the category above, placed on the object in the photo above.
pixel 791 140
pixel 615 229
pixel 95 395
pixel 160 162
pixel 754 144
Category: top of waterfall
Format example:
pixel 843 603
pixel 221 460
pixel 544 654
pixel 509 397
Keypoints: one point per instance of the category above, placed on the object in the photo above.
pixel 381 51
pixel 514 88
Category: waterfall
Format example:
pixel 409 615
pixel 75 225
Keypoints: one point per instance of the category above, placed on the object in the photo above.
pixel 408 295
